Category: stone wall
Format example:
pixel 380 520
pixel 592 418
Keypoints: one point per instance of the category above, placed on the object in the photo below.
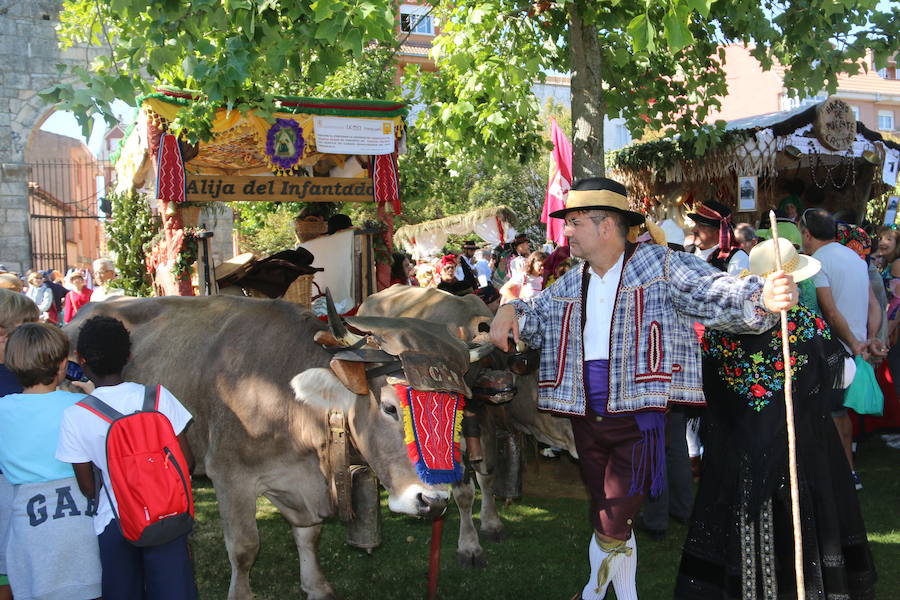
pixel 29 54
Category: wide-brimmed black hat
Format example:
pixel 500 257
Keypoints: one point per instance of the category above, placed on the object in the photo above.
pixel 519 239
pixel 599 193
pixel 470 245
pixel 710 213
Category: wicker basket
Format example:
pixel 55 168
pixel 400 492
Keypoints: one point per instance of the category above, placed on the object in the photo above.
pixel 300 292
pixel 309 228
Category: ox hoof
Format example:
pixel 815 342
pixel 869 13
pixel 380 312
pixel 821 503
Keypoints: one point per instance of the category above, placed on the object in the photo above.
pixel 493 535
pixel 469 560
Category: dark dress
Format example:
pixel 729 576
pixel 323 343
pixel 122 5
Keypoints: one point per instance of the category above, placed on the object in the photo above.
pixel 740 539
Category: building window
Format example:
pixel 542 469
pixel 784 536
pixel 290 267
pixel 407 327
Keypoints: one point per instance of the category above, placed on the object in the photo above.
pixel 415 19
pixel 855 110
pixel 885 120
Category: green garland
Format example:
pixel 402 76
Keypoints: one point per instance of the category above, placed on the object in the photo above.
pixel 190 249
pixel 662 154
pixel 348 107
pixel 382 254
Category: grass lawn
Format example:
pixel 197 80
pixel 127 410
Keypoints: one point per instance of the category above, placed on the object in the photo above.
pixel 543 556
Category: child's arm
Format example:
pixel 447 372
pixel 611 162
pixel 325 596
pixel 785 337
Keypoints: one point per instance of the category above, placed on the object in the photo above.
pixel 84 475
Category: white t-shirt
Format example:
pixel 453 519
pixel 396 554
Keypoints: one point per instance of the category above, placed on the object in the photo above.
pixel 738 262
pixel 601 297
pixel 848 277
pixel 82 435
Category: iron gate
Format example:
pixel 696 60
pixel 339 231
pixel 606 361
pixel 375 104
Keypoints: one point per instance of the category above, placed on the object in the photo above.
pixel 63 199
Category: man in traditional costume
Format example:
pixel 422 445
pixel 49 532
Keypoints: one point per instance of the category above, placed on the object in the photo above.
pixel 717 244
pixel 617 348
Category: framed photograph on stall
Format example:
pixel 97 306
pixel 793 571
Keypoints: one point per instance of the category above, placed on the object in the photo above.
pixel 746 193
pixel 890 213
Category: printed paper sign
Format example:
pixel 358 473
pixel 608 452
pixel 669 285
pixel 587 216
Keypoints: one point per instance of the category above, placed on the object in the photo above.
pixel 343 135
pixel 891 166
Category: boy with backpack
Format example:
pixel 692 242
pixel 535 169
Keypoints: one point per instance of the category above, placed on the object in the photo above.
pixel 50 521
pixel 93 433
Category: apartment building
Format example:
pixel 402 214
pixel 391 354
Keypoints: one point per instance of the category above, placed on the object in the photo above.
pixel 874 96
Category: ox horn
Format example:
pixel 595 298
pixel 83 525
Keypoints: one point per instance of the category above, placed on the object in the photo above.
pixel 479 352
pixel 336 323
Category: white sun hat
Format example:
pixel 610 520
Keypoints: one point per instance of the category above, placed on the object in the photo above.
pixel 800 266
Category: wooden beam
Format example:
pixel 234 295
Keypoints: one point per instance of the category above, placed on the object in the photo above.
pixel 250 188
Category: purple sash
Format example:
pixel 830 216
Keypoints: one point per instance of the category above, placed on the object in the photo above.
pixel 650 451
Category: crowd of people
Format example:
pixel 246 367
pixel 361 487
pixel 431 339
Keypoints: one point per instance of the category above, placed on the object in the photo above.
pixel 663 347
pixel 59 297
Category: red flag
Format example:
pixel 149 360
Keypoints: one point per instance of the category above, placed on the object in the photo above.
pixel 558 184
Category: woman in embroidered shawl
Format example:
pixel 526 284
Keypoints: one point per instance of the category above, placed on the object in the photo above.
pixel 740 540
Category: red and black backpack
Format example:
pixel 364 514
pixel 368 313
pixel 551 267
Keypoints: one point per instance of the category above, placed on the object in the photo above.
pixel 147 470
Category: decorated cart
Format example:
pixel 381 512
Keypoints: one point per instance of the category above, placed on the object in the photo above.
pixel 425 240
pixel 819 153
pixel 306 150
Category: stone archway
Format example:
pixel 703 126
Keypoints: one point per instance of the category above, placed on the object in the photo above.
pixel 29 52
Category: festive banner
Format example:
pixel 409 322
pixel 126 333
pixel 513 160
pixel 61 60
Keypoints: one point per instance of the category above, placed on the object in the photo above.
pixel 558 184
pixel 170 170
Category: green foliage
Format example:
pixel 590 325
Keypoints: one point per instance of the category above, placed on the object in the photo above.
pixel 660 64
pixel 238 53
pixel 275 234
pixel 130 227
pixel 663 153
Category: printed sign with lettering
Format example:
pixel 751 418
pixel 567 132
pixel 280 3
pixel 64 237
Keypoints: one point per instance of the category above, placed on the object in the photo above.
pixel 242 188
pixel 344 135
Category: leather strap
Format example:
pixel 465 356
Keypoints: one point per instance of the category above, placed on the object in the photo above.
pixel 339 463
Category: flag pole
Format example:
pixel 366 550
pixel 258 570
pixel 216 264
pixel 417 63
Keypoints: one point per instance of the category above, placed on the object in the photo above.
pixel 791 431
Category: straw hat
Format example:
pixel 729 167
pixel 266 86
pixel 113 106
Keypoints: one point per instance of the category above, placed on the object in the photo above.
pixel 599 193
pixel 762 260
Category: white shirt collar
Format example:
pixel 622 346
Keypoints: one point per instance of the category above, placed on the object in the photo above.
pixel 614 271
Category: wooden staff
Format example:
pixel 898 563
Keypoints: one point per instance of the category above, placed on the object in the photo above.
pixel 792 435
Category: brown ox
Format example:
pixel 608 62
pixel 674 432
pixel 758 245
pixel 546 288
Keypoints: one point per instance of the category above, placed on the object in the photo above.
pixel 259 389
pixel 471 315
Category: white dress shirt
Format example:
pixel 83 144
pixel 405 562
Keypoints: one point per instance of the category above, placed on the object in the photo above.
pixel 601 298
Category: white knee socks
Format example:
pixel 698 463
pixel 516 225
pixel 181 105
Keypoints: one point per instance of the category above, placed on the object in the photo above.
pixel 607 560
pixel 625 578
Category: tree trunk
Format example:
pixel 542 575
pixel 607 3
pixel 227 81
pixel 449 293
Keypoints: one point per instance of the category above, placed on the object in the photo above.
pixel 588 105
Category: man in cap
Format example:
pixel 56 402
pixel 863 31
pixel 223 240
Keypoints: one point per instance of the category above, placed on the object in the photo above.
pixel 716 242
pixel 617 348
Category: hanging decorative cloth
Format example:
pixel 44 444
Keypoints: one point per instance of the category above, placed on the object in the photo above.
pixel 432 422
pixel 170 179
pixel 386 181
